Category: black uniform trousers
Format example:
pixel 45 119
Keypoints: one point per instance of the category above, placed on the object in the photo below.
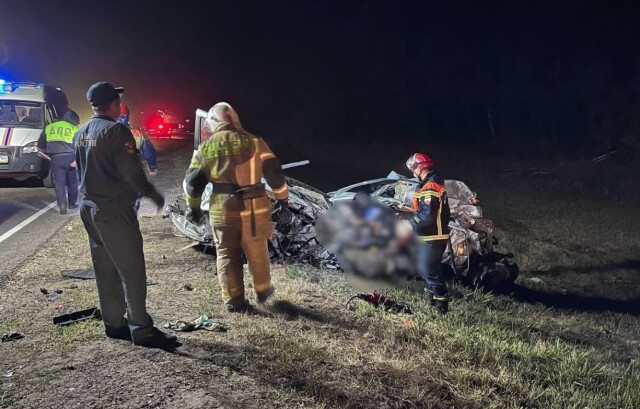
pixel 430 267
pixel 65 178
pixel 118 260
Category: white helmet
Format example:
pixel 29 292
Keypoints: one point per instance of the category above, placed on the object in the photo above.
pixel 222 112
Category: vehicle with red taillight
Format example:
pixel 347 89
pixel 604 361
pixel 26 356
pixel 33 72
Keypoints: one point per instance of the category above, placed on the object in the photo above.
pixel 164 124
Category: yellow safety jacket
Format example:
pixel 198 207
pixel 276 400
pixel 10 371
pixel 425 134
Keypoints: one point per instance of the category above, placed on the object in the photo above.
pixel 59 137
pixel 234 161
pixel 60 131
pixel 139 137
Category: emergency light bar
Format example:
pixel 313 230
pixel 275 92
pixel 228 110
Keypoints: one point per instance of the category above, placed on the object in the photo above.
pixel 11 86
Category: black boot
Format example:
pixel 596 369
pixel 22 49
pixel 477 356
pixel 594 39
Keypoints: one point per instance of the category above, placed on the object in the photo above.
pixel 441 303
pixel 152 337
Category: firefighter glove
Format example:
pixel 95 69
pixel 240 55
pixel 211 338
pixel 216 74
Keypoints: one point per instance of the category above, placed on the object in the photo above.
pixel 281 213
pixel 195 216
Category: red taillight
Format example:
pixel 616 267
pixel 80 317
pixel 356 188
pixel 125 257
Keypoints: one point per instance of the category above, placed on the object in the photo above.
pixel 160 126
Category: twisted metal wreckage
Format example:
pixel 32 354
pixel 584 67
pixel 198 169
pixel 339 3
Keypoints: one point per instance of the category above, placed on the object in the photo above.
pixel 470 255
pixel 473 237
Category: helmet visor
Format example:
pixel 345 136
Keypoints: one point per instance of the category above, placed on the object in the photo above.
pixel 412 163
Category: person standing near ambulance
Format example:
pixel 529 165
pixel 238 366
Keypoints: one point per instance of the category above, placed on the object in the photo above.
pixel 57 143
pixel 235 161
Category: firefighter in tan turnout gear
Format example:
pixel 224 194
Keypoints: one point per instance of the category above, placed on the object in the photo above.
pixel 235 161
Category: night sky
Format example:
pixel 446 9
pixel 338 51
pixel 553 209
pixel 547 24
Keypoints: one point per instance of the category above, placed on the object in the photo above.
pixel 511 75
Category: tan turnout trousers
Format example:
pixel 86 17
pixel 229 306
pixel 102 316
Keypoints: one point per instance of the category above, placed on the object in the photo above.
pixel 231 239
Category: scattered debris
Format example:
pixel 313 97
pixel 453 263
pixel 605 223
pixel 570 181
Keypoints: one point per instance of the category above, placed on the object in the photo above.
pixel 470 253
pixel 294 243
pixel 12 336
pixel 77 316
pixel 150 282
pixel 376 299
pixel 73 286
pixel 188 287
pixel 51 293
pixel 83 274
pixel 10 372
pixel 534 280
pixel 53 297
pixel 202 322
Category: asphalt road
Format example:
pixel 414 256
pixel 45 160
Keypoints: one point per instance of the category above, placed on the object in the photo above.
pixel 18 203
pixel 29 217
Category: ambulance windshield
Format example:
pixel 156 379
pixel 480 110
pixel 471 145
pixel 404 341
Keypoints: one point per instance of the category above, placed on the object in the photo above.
pixel 20 114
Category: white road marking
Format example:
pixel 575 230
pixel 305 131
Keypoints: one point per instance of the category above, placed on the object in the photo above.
pixel 27 221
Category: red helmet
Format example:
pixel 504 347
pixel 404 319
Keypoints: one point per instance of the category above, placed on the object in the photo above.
pixel 124 110
pixel 419 161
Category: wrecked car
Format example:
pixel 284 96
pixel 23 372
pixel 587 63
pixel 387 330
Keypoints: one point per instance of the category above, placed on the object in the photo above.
pixel 470 255
pixel 295 242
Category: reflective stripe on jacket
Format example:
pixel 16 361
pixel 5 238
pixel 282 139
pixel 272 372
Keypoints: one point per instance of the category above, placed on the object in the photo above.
pixel 231 158
pixel 146 148
pixel 431 209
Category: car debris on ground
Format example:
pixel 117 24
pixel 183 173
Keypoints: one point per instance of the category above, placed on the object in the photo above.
pixel 471 254
pixel 202 322
pixel 83 274
pixel 12 336
pixel 379 300
pixel 77 316
pixel 11 371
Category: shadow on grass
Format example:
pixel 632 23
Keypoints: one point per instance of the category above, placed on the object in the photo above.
pixel 315 374
pixel 603 268
pixel 292 311
pixel 576 302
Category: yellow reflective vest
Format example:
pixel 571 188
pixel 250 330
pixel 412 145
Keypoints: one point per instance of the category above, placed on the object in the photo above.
pixel 60 131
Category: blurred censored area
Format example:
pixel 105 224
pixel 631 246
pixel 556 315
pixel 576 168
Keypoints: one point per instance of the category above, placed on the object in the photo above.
pixel 374 248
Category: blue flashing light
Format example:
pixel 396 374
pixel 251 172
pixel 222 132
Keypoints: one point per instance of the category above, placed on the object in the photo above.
pixel 1 86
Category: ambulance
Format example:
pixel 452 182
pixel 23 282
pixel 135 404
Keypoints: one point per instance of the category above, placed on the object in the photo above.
pixel 25 109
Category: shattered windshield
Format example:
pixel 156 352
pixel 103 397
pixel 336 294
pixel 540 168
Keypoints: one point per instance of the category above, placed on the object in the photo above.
pixel 20 114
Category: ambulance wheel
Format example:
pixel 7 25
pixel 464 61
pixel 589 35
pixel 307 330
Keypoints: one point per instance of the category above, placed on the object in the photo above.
pixel 48 180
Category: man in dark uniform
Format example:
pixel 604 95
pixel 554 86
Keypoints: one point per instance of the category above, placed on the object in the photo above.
pixel 431 224
pixel 111 177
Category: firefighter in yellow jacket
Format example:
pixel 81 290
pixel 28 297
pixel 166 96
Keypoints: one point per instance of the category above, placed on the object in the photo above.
pixel 235 162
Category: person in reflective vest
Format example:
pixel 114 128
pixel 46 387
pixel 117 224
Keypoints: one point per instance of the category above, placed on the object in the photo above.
pixel 143 143
pixel 431 224
pixel 235 162
pixel 58 138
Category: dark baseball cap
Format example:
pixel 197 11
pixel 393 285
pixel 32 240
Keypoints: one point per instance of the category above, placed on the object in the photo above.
pixel 103 93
